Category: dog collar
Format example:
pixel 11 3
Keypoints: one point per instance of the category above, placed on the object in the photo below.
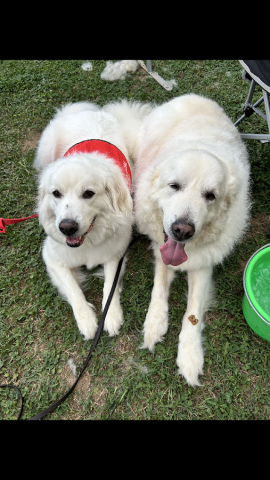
pixel 108 149
pixel 91 226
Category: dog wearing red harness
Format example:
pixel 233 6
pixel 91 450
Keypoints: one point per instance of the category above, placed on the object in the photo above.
pixel 84 161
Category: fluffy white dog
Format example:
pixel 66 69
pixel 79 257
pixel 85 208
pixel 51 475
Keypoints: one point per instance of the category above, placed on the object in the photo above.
pixel 84 200
pixel 192 200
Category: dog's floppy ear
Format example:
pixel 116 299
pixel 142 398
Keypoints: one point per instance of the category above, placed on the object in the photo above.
pixel 233 184
pixel 41 187
pixel 40 206
pixel 41 192
pixel 118 196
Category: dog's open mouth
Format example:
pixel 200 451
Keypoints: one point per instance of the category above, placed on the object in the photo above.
pixel 77 241
pixel 74 241
pixel 172 252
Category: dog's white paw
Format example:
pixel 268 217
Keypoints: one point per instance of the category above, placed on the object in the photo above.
pixel 114 320
pixel 86 320
pixel 155 327
pixel 190 362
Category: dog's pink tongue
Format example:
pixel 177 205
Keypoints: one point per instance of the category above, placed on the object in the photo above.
pixel 173 253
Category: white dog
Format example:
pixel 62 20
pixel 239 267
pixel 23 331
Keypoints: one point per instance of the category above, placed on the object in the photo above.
pixel 84 200
pixel 192 200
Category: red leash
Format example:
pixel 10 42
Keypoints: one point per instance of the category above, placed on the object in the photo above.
pixel 8 221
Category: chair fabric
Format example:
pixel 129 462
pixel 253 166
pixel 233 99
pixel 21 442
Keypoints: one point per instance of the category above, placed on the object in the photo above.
pixel 259 70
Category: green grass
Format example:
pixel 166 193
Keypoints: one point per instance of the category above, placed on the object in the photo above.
pixel 38 333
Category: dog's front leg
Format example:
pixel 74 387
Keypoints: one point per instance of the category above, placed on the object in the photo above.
pixel 190 350
pixel 66 283
pixel 114 317
pixel 156 322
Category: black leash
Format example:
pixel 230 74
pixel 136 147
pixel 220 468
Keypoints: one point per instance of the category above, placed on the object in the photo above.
pixel 95 341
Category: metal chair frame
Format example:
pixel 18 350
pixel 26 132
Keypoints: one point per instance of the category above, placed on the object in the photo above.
pixel 249 109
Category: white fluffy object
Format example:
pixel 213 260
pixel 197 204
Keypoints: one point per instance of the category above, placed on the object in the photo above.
pixel 141 368
pixel 72 366
pixel 172 82
pixel 118 70
pixel 87 66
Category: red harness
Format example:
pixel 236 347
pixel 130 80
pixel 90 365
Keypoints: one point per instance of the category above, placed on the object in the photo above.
pixel 86 146
pixel 108 149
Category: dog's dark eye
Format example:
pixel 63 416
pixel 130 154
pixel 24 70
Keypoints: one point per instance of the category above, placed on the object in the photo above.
pixel 57 194
pixel 88 194
pixel 175 186
pixel 210 196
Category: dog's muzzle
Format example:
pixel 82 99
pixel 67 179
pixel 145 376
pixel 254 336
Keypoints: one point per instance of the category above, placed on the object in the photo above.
pixel 69 228
pixel 182 231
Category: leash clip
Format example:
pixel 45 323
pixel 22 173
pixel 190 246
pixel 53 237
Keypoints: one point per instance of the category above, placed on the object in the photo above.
pixel 2 226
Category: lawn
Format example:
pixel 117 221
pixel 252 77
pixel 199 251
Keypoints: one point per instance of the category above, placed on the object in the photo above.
pixel 38 332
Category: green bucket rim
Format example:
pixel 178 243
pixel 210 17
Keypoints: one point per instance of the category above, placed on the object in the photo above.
pixel 247 276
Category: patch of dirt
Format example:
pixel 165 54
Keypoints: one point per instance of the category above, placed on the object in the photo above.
pixel 80 392
pixel 85 385
pixel 39 349
pixel 99 395
pixel 67 375
pixel 211 317
pixel 180 75
pixel 125 344
pixel 143 75
pixel 242 266
pixel 30 142
pixel 3 380
pixel 259 224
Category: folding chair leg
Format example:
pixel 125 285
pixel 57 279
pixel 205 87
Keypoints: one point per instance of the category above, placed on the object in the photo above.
pixel 250 93
pixel 267 108
pixel 249 109
pixel 160 80
pixel 149 65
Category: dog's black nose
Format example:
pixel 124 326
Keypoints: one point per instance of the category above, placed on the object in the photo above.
pixel 183 230
pixel 68 227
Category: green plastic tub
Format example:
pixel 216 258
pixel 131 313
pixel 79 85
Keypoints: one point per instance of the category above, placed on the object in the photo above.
pixel 256 301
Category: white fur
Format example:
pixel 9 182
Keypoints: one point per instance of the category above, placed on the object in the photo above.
pixel 72 366
pixel 107 241
pixel 118 70
pixel 87 66
pixel 191 141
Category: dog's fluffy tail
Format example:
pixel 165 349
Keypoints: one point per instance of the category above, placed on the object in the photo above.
pixel 130 115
